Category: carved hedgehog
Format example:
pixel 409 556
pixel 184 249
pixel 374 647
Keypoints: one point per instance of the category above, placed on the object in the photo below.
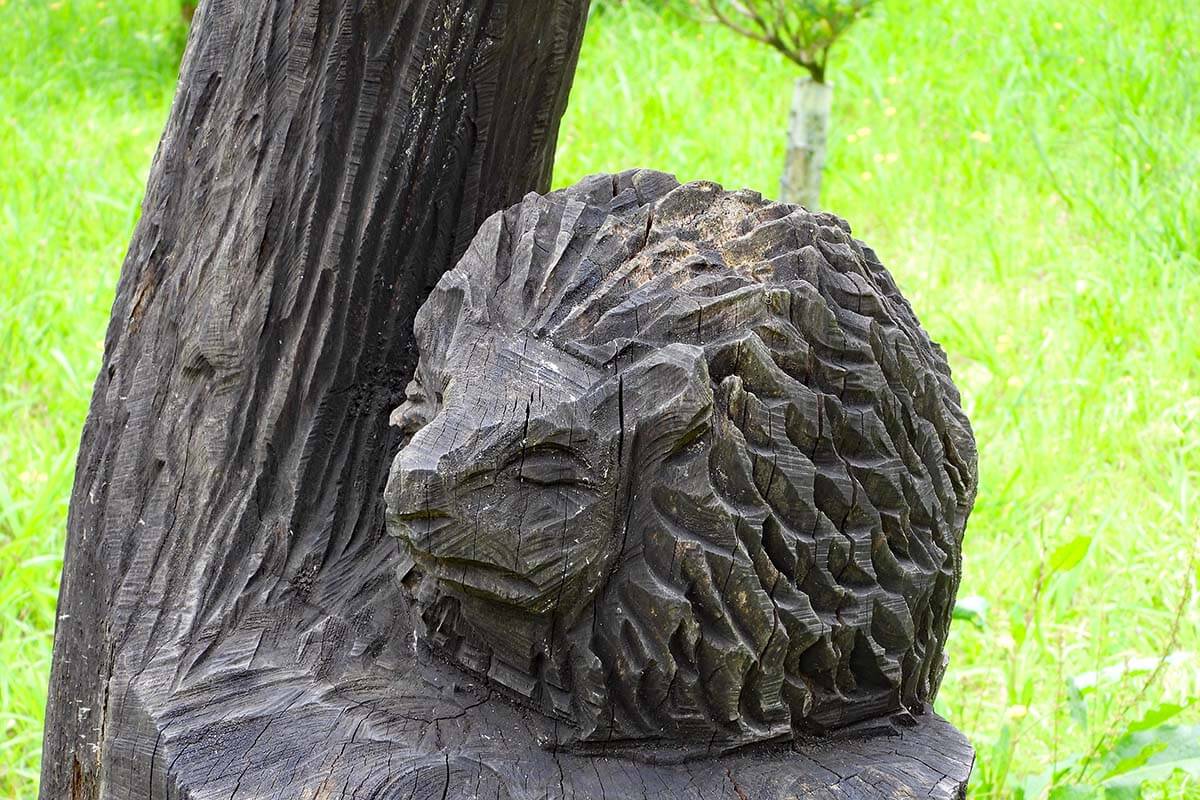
pixel 685 469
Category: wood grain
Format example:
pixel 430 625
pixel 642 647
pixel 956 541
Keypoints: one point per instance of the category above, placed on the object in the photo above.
pixel 324 162
pixel 234 620
pixel 686 473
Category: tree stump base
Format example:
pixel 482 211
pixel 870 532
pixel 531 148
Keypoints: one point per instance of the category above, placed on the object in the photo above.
pixel 414 727
pixel 373 688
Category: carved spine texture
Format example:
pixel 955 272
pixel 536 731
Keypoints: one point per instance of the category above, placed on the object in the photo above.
pixel 685 468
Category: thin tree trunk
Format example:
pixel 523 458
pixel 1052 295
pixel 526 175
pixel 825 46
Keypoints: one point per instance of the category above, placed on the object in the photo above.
pixel 324 162
pixel 808 128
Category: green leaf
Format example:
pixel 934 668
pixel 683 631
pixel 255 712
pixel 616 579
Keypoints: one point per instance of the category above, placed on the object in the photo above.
pixel 1122 792
pixel 1157 716
pixel 1067 556
pixel 1136 760
pixel 1028 690
pixel 1077 703
pixel 1073 791
pixel 1016 626
pixel 973 609
pixel 1151 755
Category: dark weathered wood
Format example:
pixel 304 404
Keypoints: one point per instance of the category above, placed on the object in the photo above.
pixel 629 394
pixel 686 477
pixel 412 726
pixel 732 578
pixel 324 162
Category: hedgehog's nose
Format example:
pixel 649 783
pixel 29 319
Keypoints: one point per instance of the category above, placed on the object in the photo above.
pixel 419 486
pixel 421 475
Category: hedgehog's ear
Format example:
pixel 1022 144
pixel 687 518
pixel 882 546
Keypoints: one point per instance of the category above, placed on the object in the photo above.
pixel 656 406
pixel 440 317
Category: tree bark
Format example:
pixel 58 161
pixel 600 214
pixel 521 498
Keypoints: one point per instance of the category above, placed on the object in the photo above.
pixel 324 162
pixel 808 128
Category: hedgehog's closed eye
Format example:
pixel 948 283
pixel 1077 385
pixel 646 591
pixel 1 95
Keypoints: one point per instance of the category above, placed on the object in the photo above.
pixel 550 474
pixel 549 464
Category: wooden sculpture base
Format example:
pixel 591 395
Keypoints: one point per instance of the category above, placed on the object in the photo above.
pixel 417 728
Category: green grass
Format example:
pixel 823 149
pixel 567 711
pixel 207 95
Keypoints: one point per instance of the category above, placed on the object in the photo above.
pixel 84 91
pixel 1029 171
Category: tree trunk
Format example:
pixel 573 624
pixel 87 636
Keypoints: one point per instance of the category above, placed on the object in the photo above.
pixel 324 162
pixel 808 128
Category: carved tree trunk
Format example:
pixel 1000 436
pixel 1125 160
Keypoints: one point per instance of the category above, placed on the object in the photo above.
pixel 324 162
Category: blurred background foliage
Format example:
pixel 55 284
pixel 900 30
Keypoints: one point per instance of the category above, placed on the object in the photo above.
pixel 1028 171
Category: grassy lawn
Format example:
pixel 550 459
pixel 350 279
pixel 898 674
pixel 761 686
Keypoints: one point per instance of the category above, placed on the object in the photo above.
pixel 1029 171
